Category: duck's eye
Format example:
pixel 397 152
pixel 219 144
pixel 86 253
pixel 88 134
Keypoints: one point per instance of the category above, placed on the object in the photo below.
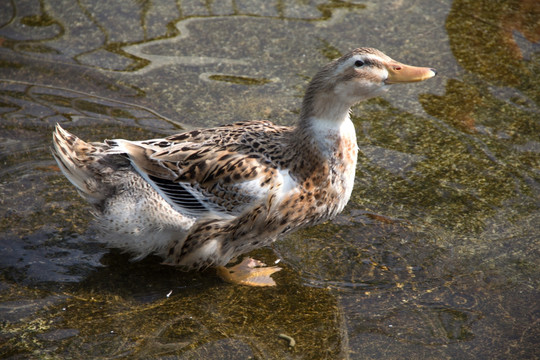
pixel 358 63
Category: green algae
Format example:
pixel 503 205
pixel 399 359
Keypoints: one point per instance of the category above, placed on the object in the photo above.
pixel 240 80
pixel 183 322
pixel 488 27
pixel 447 182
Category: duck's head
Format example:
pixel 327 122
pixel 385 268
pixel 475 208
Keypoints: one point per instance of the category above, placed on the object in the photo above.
pixel 361 74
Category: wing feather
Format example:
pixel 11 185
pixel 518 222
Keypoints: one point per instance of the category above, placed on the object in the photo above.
pixel 211 172
pixel 179 194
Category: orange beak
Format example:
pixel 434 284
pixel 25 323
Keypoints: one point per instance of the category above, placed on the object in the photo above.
pixel 401 73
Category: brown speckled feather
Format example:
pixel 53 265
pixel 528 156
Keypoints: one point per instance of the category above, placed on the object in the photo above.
pixel 221 170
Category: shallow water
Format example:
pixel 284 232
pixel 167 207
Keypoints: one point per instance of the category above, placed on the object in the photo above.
pixel 435 257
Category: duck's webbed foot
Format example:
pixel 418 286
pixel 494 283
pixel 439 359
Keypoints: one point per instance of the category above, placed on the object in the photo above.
pixel 249 272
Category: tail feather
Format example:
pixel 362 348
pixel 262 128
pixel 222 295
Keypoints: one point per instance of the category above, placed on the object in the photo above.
pixel 75 159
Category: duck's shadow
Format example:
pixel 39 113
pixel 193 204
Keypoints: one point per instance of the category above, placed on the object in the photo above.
pixel 145 280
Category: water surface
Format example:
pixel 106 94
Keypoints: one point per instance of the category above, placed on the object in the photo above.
pixel 435 257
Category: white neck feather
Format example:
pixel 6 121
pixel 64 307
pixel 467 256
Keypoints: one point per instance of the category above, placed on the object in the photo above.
pixel 327 132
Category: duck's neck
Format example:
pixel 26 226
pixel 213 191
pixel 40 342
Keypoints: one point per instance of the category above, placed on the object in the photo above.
pixel 325 121
pixel 328 106
pixel 326 134
pixel 321 140
pixel 324 153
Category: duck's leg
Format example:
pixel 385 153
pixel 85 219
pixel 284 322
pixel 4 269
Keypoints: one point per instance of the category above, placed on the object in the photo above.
pixel 212 241
pixel 249 272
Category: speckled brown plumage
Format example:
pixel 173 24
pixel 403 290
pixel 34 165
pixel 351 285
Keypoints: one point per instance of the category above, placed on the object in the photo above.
pixel 203 197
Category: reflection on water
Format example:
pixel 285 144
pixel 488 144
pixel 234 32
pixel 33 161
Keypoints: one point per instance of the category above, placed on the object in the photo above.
pixel 436 256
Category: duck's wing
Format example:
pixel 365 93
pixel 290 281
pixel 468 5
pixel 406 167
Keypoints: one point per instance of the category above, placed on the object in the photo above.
pixel 224 174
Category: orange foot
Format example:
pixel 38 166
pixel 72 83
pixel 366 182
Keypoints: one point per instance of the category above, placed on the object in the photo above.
pixel 249 272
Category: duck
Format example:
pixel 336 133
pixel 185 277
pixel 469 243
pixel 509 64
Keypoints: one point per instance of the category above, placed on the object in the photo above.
pixel 204 197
